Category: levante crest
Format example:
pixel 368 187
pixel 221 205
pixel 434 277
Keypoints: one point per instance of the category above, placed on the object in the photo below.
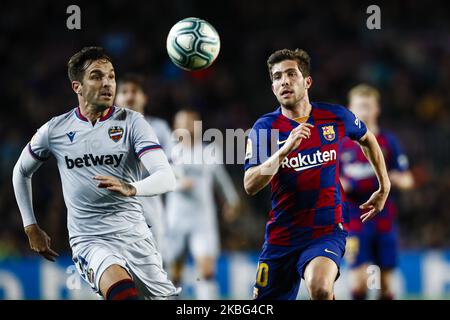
pixel 328 133
pixel 115 133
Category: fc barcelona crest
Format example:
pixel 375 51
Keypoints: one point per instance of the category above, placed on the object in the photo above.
pixel 328 133
pixel 115 133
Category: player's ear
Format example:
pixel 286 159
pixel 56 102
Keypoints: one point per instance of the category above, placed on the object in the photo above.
pixel 273 89
pixel 308 82
pixel 76 86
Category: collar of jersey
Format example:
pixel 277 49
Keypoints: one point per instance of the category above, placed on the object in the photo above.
pixel 313 105
pixel 103 118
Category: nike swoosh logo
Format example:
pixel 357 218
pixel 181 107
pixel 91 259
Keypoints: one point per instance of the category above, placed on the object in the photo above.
pixel 307 167
pixel 281 142
pixel 329 251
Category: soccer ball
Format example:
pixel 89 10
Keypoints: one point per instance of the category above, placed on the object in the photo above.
pixel 193 44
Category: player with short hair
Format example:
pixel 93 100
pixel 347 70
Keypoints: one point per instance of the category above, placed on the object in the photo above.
pixel 305 234
pixel 131 94
pixel 191 210
pixel 99 149
pixel 376 240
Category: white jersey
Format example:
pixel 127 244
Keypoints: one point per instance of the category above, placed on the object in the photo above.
pixel 197 205
pixel 111 147
pixel 192 216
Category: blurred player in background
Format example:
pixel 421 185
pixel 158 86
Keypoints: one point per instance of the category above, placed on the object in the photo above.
pixel 131 94
pixel 99 149
pixel 191 210
pixel 374 241
pixel 305 237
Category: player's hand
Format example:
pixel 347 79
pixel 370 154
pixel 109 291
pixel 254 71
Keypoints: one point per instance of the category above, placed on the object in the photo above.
pixel 375 204
pixel 40 242
pixel 116 185
pixel 303 131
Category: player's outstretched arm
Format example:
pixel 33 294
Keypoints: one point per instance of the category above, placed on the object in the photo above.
pixel 372 151
pixel 22 173
pixel 160 180
pixel 256 178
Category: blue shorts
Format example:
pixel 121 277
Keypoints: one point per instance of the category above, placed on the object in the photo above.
pixel 280 269
pixel 370 246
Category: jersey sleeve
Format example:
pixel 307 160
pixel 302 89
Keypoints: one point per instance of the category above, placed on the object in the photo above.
pixel 355 129
pixel 257 147
pixel 398 160
pixel 161 178
pixel 31 158
pixel 21 178
pixel 39 146
pixel 143 137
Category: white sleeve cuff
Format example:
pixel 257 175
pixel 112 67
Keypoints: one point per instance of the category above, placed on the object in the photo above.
pixel 161 179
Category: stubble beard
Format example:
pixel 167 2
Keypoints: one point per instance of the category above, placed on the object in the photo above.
pixel 100 106
pixel 291 103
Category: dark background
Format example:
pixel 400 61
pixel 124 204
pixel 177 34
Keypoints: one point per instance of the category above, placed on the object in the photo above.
pixel 408 60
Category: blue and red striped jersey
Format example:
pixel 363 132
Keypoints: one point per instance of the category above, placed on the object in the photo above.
pixel 358 172
pixel 306 193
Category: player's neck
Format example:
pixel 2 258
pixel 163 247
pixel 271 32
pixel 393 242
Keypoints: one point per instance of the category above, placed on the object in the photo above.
pixel 92 112
pixel 301 110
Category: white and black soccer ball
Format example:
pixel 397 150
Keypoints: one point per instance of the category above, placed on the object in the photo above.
pixel 193 44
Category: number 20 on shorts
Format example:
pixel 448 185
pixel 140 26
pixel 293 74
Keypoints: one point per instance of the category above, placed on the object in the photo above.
pixel 262 277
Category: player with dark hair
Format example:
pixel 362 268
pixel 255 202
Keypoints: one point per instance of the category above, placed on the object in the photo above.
pixel 305 235
pixel 99 149
pixel 375 241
